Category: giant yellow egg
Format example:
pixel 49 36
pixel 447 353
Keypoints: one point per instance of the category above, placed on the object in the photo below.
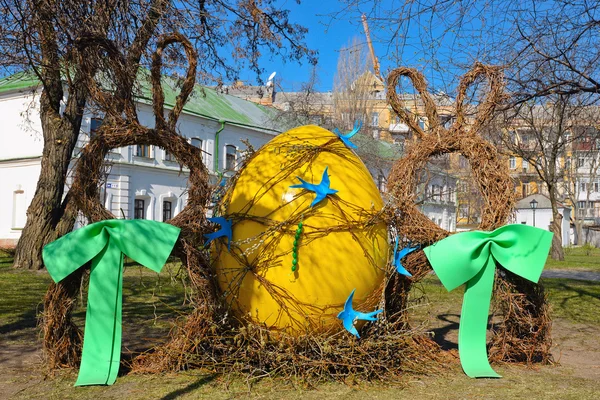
pixel 341 246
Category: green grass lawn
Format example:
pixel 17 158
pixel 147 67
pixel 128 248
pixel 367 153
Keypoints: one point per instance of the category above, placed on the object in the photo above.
pixel 152 302
pixel 573 300
pixel 578 258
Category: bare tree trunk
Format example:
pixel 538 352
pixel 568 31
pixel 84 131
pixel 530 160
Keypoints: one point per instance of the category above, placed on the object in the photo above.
pixel 556 252
pixel 47 207
pixel 578 232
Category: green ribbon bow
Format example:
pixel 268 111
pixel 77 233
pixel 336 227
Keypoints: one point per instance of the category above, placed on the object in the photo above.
pixel 147 242
pixel 470 257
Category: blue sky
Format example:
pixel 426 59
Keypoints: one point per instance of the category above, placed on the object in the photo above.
pixel 325 35
pixel 443 44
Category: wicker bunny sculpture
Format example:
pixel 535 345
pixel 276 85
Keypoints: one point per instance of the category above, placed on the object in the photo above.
pixel 523 333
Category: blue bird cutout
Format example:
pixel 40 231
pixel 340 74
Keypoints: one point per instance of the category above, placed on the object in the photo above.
pixel 346 138
pixel 224 231
pixel 322 189
pixel 349 316
pixel 399 255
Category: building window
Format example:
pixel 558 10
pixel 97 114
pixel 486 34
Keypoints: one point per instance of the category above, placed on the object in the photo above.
pixel 375 118
pixel 568 163
pixel 381 183
pixel 95 124
pixel 525 165
pixel 19 209
pixel 169 156
pixel 167 210
pixel 582 187
pixel 512 163
pixel 230 155
pixel 567 137
pixel 525 189
pixel 139 209
pixel 142 150
pixel 596 187
pixel 580 162
pixel 196 142
pixel 463 211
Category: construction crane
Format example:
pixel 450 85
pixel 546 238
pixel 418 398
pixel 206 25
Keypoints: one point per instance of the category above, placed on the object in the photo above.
pixel 373 57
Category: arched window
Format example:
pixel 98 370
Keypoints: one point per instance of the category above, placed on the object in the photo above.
pixel 230 156
pixel 139 209
pixel 94 126
pixel 196 142
pixel 19 209
pixel 142 150
pixel 167 210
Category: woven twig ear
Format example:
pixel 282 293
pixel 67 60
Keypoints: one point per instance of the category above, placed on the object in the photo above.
pixel 486 109
pixel 158 98
pixel 419 83
pixel 118 98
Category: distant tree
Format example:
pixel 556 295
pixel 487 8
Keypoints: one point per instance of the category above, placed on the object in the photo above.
pixel 581 169
pixel 541 135
pixel 306 106
pixel 352 85
pixel 80 48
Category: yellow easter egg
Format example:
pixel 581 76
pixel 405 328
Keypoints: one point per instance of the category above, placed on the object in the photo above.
pixel 341 244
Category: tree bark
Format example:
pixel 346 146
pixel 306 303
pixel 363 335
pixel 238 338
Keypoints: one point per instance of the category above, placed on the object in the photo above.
pixel 47 206
pixel 556 252
pixel 578 232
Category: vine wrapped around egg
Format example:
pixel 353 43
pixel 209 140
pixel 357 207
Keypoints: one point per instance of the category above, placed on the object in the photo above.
pixel 306 232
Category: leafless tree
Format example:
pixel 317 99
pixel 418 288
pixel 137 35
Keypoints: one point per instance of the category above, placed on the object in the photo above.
pixel 353 85
pixel 581 168
pixel 302 107
pixel 77 48
pixel 541 134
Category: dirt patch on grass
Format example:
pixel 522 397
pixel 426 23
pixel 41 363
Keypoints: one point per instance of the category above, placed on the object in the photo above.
pixel 576 348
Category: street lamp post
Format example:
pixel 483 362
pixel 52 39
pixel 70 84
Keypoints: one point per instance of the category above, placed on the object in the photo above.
pixel 533 204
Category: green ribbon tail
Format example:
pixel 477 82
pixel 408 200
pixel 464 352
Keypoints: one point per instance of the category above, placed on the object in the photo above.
pixel 105 243
pixel 471 257
pixel 103 329
pixel 472 347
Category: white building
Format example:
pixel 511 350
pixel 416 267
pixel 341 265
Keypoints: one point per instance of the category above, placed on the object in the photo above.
pixel 439 198
pixel 141 181
pixel 543 215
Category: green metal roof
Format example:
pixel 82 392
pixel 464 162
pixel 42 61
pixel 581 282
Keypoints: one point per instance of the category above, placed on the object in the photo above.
pixel 209 103
pixel 18 81
pixel 203 101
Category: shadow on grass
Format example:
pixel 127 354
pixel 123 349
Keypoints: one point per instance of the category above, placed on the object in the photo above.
pixel 189 388
pixel 450 325
pixel 27 320
pixel 577 301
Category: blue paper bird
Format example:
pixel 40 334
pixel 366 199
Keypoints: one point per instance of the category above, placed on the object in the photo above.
pixel 224 231
pixel 322 189
pixel 399 255
pixel 346 138
pixel 349 316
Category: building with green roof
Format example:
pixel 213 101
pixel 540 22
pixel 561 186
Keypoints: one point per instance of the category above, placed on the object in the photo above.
pixel 141 181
